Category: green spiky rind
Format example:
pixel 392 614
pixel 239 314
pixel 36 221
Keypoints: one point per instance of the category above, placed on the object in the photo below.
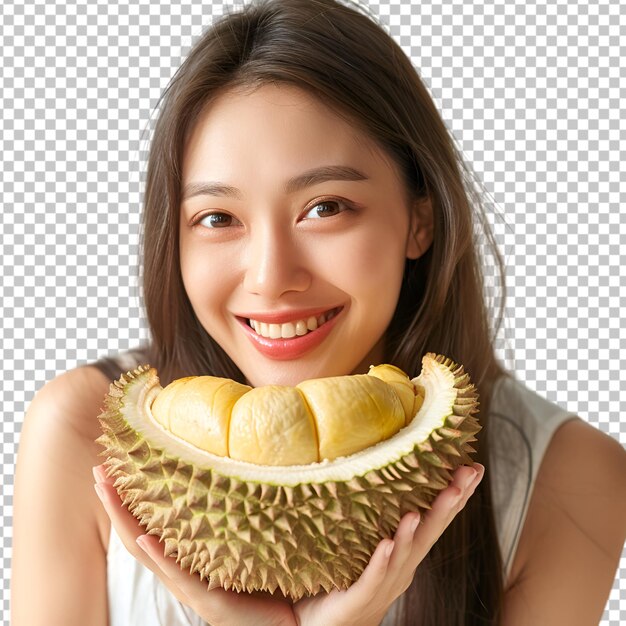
pixel 249 536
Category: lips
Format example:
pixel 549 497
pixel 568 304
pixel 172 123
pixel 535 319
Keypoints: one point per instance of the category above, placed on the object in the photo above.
pixel 290 348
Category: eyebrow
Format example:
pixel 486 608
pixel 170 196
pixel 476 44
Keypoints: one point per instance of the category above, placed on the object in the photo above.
pixel 306 179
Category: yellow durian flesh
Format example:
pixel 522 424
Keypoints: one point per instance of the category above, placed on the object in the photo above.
pixel 198 409
pixel 352 412
pixel 272 425
pixel 322 418
pixel 164 400
pixel 402 385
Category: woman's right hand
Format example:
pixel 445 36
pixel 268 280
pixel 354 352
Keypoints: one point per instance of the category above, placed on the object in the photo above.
pixel 218 607
pixel 363 604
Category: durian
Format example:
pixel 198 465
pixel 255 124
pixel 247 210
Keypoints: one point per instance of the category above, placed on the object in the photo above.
pixel 322 471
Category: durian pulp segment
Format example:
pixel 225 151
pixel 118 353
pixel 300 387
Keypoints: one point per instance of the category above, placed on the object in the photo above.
pixel 400 382
pixel 440 394
pixel 198 409
pixel 351 413
pixel 271 425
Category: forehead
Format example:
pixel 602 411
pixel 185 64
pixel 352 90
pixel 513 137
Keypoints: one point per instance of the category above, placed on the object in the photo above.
pixel 277 122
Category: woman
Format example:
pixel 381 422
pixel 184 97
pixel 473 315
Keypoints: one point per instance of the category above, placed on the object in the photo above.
pixel 279 89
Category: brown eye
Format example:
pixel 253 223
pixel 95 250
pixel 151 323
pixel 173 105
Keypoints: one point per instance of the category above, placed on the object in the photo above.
pixel 327 208
pixel 215 220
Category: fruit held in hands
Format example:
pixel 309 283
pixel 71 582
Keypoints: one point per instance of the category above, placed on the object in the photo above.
pixel 286 488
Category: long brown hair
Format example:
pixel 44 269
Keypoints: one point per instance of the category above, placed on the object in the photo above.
pixel 338 53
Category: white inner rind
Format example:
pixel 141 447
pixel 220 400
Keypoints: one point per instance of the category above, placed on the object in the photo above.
pixel 440 395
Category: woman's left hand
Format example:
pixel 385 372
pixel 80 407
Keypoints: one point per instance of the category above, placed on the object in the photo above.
pixel 388 574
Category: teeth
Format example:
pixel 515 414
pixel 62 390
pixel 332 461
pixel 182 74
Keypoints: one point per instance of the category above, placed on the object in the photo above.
pixel 288 330
pixel 291 329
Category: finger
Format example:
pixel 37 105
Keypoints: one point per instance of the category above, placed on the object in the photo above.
pixel 471 483
pixel 445 507
pixel 402 563
pixel 374 574
pixel 190 585
pixel 99 473
pixel 452 499
pixel 403 539
pixel 480 469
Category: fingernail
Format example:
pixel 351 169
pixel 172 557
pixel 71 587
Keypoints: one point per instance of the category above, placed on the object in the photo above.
pixel 389 549
pixel 480 472
pixel 96 470
pixel 415 524
pixel 141 542
pixel 469 479
pixel 99 490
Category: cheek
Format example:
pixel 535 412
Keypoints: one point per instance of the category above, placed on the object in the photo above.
pixel 204 281
pixel 369 264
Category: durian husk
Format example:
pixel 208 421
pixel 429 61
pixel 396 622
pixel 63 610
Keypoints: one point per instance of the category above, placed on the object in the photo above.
pixel 247 534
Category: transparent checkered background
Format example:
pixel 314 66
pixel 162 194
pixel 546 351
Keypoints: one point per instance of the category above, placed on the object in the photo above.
pixel 530 90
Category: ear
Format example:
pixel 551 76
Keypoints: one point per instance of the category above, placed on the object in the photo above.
pixel 420 228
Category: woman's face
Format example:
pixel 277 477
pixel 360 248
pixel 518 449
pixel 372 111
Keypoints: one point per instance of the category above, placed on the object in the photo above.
pixel 270 231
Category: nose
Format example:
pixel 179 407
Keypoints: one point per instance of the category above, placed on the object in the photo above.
pixel 274 263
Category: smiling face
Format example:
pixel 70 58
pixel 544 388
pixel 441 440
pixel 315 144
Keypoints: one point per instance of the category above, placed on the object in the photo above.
pixel 263 237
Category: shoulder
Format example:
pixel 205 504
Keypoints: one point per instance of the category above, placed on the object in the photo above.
pixel 59 434
pixel 582 478
pixel 72 396
pixel 574 531
pixel 579 447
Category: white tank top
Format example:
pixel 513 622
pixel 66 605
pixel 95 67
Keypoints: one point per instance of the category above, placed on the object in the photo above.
pixel 523 425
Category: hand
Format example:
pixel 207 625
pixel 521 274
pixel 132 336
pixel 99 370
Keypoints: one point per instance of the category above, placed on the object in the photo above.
pixel 217 607
pixel 392 566
pixel 388 574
